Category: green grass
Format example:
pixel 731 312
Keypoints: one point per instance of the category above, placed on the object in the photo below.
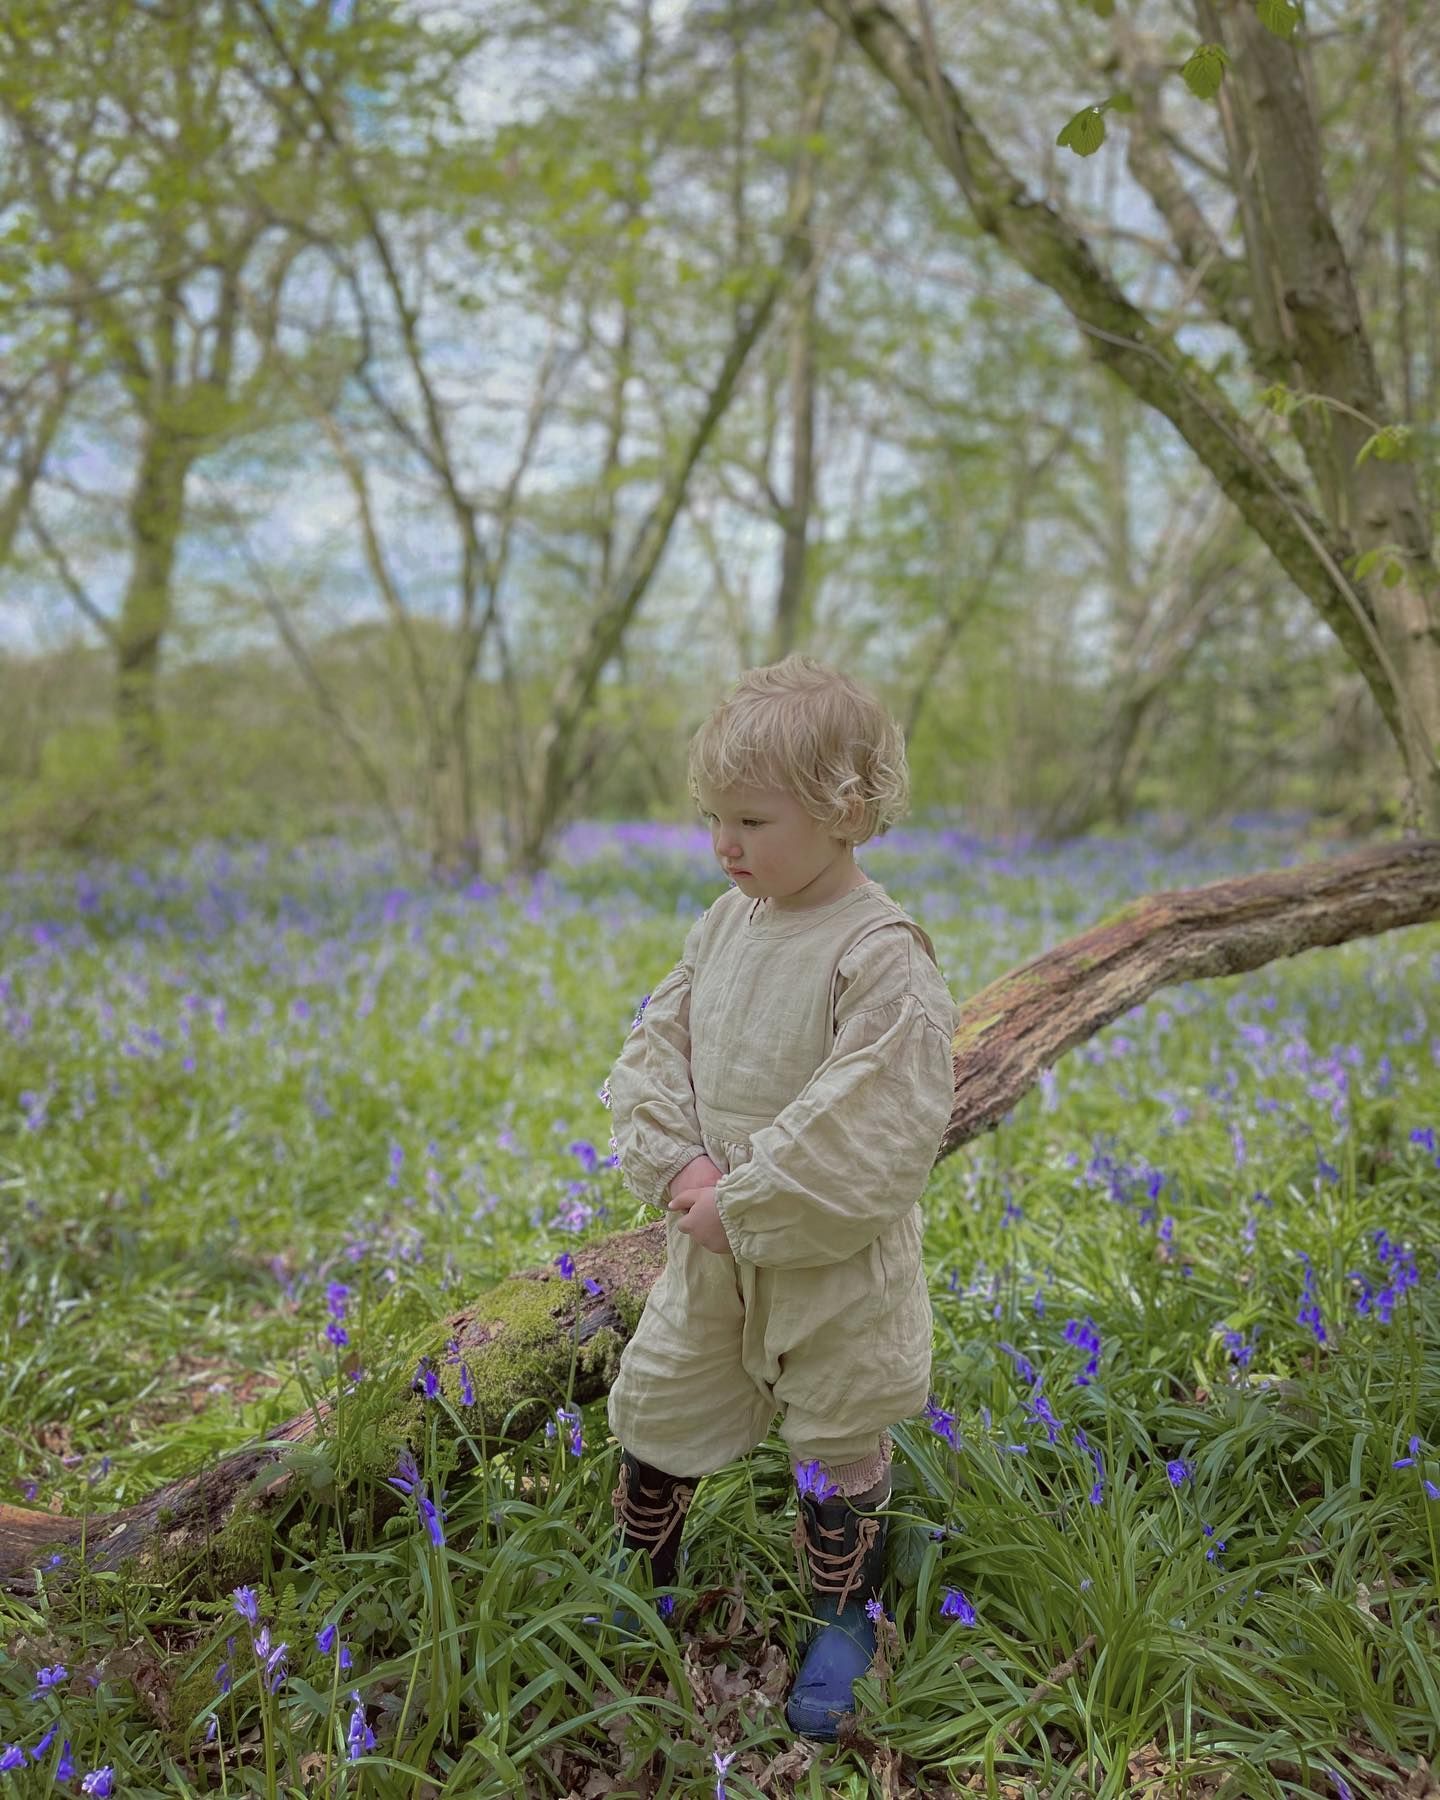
pixel 396 1091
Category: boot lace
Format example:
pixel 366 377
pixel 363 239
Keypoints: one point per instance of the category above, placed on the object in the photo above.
pixel 647 1523
pixel 832 1571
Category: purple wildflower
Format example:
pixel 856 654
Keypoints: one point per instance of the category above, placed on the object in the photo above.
pixel 12 1757
pixel 432 1519
pixel 1024 1368
pixel 1040 1409
pixel 1309 1313
pixel 65 1768
pixel 407 1474
pixel 811 1479
pixel 570 1416
pixel 1178 1471
pixel 46 1678
pixel 942 1423
pixel 359 1737
pixel 954 1605
pixel 325 1639
pixel 722 1765
pixel 247 1604
pixel 874 1611
pixel 565 1263
pixel 99 1782
pixel 467 1392
pixel 1087 1338
pixel 1342 1786
pixel 38 1753
pixel 1408 1462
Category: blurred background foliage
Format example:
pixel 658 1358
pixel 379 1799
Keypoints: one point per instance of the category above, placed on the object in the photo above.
pixel 414 417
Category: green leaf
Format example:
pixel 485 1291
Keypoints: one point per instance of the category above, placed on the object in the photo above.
pixel 1367 562
pixel 1085 133
pixel 1394 574
pixel 1390 444
pixel 1121 102
pixel 1278 398
pixel 1278 16
pixel 1205 71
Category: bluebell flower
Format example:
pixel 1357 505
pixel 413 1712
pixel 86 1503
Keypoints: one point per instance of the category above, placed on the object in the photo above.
pixel 46 1678
pixel 593 1287
pixel 1342 1786
pixel 1431 1491
pixel 954 1605
pixel 407 1474
pixel 1178 1471
pixel 1085 1337
pixel 565 1263
pixel 1040 1409
pixel 811 1479
pixel 1309 1313
pixel 665 1605
pixel 942 1423
pixel 722 1765
pixel 432 1519
pixel 38 1753
pixel 65 1767
pixel 359 1737
pixel 12 1757
pixel 325 1639
pixel 247 1604
pixel 1024 1368
pixel 467 1392
pixel 1408 1462
pixel 570 1417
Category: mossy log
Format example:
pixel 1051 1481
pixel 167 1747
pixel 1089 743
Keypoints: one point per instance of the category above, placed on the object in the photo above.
pixel 537 1336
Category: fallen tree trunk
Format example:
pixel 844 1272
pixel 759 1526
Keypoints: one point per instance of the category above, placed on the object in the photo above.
pixel 538 1338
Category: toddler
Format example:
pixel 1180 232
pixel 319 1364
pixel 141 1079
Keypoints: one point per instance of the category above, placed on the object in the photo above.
pixel 783 1095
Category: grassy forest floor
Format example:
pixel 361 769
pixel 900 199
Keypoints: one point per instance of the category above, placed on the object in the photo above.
pixel 1182 1459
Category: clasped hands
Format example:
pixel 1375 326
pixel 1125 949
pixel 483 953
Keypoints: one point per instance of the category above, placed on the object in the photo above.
pixel 692 1196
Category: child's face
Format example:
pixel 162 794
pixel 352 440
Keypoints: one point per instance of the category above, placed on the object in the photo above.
pixel 771 848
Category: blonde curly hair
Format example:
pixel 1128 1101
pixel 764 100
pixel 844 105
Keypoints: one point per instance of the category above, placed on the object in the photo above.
pixel 805 727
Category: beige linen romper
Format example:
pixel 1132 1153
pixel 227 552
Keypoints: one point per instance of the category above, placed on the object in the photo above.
pixel 808 1054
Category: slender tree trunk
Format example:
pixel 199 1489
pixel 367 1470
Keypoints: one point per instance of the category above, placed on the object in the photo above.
pixel 156 513
pixel 1373 503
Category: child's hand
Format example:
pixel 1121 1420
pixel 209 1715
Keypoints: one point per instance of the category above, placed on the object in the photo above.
pixel 699 1173
pixel 700 1219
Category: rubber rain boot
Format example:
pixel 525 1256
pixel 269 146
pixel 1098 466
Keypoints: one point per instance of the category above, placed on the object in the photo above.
pixel 843 1547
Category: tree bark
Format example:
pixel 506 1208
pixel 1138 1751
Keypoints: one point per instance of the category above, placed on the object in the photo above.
pixel 538 1340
